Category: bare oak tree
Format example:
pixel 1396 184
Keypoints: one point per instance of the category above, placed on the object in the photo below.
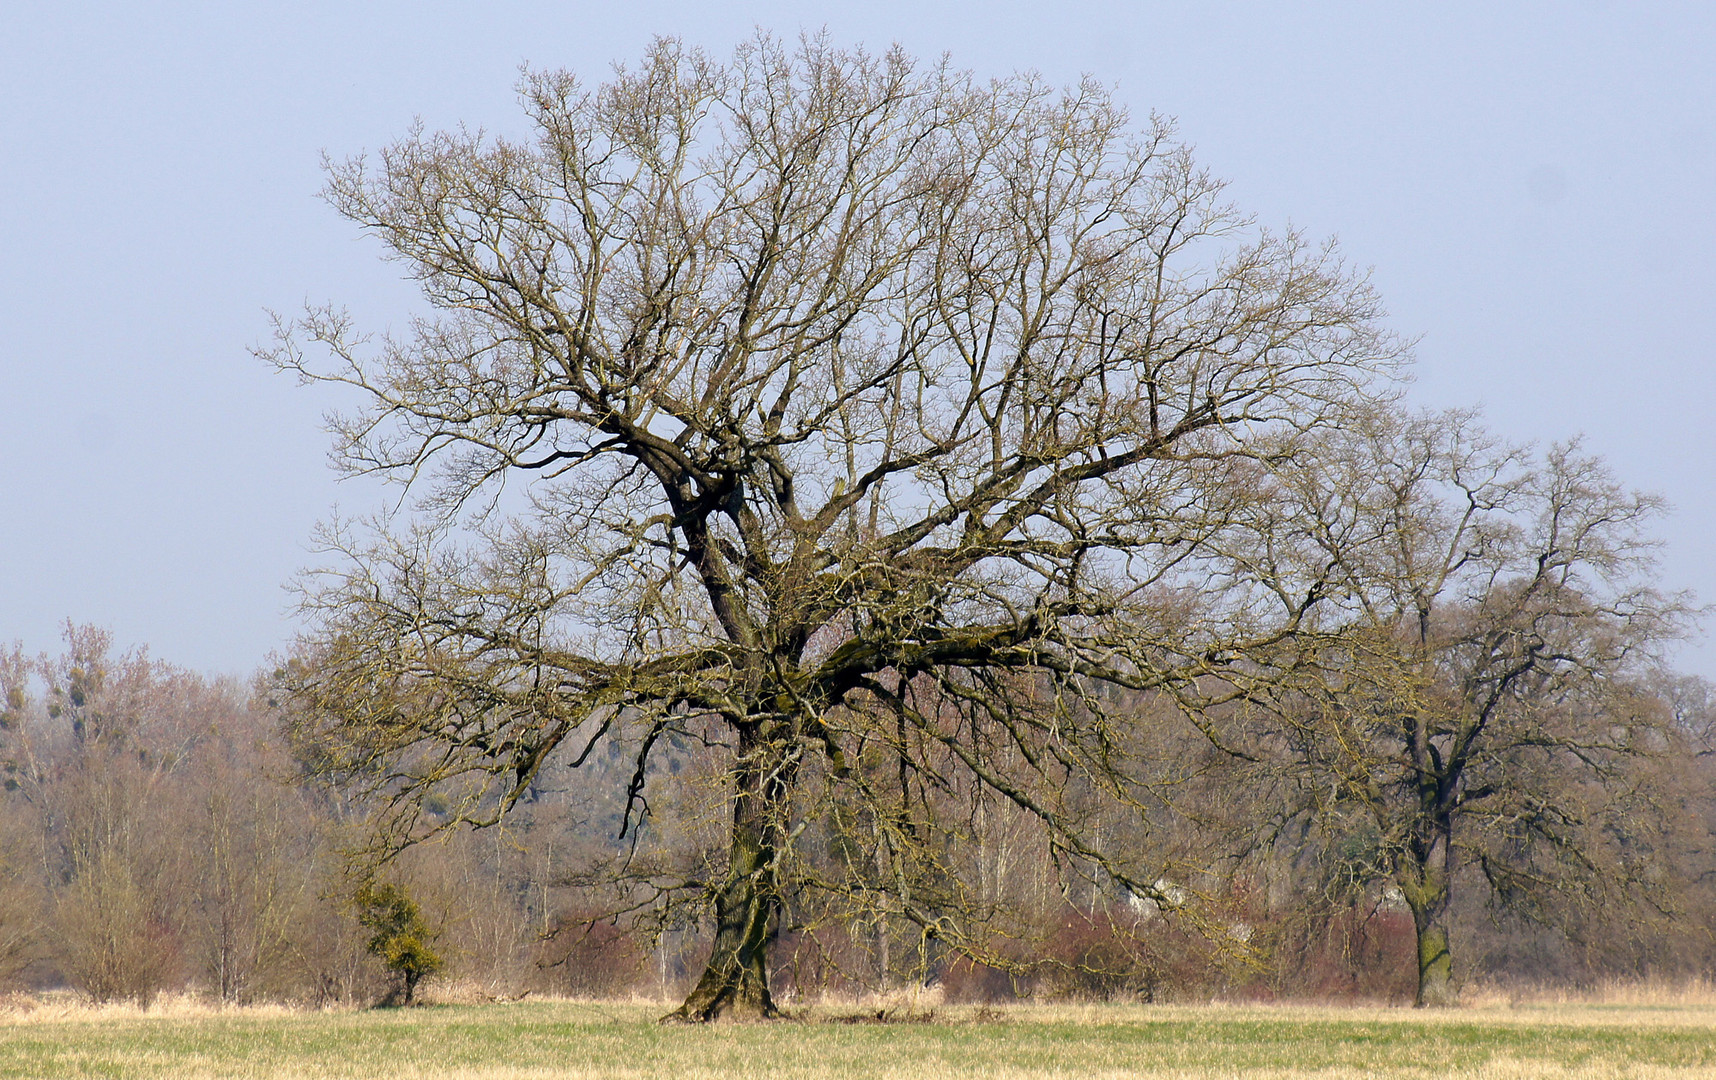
pixel 1487 703
pixel 809 405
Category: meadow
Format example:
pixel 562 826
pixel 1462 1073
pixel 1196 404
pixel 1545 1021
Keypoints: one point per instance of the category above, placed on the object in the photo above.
pixel 540 1039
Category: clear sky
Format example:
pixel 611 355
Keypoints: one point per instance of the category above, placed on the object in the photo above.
pixel 1534 185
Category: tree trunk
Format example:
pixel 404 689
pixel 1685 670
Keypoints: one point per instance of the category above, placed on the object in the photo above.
pixel 1435 960
pixel 1428 894
pixel 735 983
pixel 411 978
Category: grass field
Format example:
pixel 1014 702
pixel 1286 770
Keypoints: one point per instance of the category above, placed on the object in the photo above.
pixel 569 1039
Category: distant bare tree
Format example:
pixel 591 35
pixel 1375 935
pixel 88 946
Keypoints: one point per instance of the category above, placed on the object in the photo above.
pixel 252 846
pixel 822 409
pixel 162 846
pixel 21 893
pixel 103 782
pixel 1491 697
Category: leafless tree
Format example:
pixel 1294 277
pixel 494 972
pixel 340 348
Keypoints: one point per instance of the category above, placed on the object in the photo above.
pixel 21 893
pixel 807 406
pixel 1490 698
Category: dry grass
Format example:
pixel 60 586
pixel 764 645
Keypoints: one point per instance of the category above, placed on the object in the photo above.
pixel 1644 1034
pixel 1645 994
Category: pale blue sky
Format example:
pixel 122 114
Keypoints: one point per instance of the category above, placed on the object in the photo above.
pixel 1533 183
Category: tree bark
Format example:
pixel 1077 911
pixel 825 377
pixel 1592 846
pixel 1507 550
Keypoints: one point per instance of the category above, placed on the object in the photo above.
pixel 735 982
pixel 1435 961
pixel 1428 894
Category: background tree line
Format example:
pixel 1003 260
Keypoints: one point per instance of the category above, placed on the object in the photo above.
pixel 160 835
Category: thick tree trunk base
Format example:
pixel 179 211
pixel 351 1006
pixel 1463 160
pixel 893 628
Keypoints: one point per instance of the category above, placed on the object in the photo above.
pixel 1435 970
pixel 735 984
pixel 736 994
pixel 731 1011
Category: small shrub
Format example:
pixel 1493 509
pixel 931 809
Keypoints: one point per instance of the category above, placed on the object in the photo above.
pixel 399 937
